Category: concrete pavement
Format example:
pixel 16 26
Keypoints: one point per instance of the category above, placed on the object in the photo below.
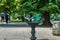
pixel 23 33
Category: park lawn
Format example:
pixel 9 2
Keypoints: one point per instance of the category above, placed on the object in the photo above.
pixel 18 22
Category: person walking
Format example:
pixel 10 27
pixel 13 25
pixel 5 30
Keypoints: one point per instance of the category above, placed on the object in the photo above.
pixel 2 16
pixel 6 17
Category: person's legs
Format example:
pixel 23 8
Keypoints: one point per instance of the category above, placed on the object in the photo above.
pixel 2 19
pixel 6 20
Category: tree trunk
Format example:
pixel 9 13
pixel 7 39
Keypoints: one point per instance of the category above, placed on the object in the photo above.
pixel 22 17
pixel 47 19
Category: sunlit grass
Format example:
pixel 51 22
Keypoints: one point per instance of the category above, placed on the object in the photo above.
pixel 18 21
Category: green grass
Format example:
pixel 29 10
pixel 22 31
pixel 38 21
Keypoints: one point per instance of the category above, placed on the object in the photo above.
pixel 18 21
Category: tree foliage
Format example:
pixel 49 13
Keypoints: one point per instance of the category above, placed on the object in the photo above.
pixel 29 6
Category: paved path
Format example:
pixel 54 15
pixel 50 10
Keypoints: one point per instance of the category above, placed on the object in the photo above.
pixel 23 33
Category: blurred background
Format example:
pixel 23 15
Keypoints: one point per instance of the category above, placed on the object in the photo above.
pixel 18 9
